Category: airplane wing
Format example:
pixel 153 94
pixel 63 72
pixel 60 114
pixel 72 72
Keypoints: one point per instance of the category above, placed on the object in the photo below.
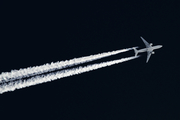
pixel 145 42
pixel 148 56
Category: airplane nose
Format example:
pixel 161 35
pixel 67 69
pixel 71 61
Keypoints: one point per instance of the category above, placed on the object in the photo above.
pixel 160 46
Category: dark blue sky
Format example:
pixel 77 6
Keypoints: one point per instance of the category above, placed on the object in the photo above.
pixel 38 33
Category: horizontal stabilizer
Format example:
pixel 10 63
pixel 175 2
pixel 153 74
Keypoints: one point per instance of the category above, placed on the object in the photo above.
pixel 135 50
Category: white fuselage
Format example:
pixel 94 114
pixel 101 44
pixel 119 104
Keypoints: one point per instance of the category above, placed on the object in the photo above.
pixel 150 49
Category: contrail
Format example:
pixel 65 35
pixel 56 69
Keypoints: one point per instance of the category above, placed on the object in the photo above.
pixel 11 86
pixel 36 70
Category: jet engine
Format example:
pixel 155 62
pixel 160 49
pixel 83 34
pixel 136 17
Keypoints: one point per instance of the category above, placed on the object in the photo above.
pixel 153 52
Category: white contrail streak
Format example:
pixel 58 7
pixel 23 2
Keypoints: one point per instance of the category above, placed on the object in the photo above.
pixel 36 70
pixel 11 86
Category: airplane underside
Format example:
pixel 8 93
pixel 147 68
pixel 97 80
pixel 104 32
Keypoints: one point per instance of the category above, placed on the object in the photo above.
pixel 149 49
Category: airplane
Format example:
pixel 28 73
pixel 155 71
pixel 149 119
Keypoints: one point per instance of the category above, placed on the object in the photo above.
pixel 149 49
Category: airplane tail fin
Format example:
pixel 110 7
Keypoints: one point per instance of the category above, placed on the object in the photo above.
pixel 136 51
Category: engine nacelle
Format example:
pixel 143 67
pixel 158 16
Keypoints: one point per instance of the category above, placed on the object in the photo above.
pixel 151 44
pixel 153 52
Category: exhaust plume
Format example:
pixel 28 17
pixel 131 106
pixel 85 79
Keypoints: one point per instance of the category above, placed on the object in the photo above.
pixel 36 70
pixel 11 86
